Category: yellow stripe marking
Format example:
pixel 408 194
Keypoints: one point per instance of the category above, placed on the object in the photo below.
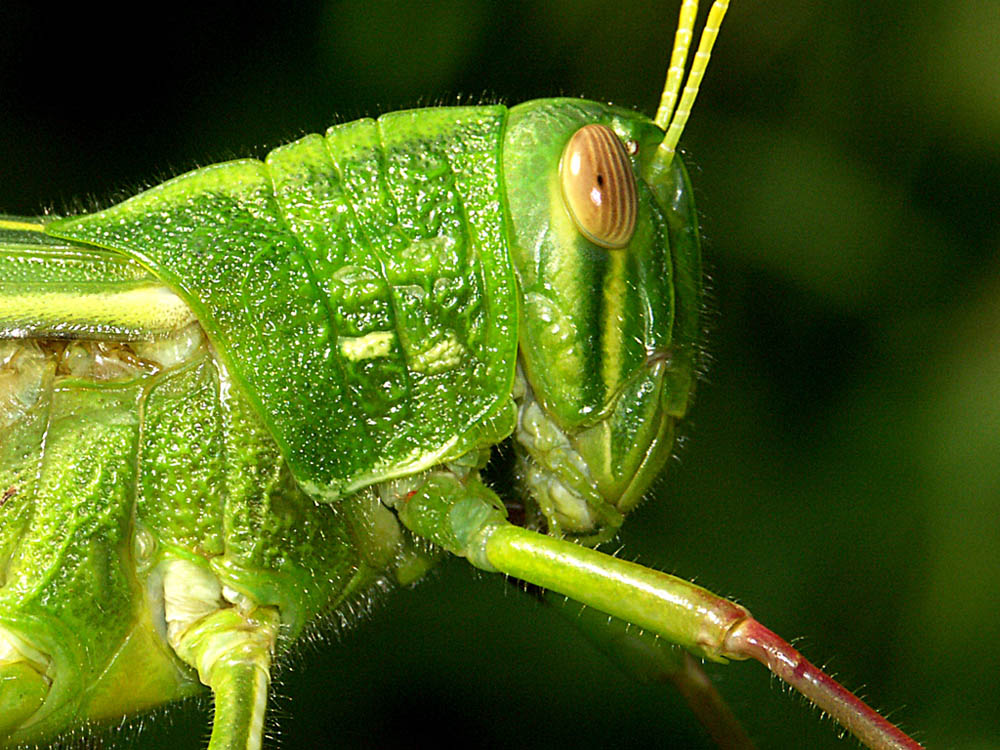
pixel 615 292
pixel 153 308
pixel 21 226
pixel 369 346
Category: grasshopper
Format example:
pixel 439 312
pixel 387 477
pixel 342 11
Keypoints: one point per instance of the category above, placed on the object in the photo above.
pixel 265 390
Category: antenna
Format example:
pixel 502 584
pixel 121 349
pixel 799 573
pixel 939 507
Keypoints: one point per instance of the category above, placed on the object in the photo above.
pixel 667 118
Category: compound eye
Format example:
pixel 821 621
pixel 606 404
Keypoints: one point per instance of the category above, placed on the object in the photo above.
pixel 599 187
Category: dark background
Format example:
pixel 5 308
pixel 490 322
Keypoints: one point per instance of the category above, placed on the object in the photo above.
pixel 842 477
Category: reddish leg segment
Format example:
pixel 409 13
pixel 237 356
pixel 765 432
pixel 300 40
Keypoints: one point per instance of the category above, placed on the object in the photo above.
pixel 751 639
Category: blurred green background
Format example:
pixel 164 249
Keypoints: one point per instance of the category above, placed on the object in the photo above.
pixel 841 472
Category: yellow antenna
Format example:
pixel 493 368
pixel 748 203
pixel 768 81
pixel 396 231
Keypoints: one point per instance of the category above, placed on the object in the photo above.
pixel 667 118
pixel 678 61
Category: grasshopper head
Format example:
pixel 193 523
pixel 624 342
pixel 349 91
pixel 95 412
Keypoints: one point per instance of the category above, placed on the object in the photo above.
pixel 604 241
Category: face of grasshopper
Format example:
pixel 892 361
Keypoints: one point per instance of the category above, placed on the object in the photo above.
pixel 607 256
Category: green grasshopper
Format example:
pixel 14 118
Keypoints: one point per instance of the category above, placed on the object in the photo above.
pixel 262 391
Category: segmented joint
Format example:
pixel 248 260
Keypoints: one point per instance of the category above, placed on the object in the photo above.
pixel 451 509
pixel 209 624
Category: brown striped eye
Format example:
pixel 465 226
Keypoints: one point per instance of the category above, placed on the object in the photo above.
pixel 598 186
